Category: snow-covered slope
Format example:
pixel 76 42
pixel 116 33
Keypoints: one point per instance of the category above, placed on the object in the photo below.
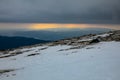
pixel 99 61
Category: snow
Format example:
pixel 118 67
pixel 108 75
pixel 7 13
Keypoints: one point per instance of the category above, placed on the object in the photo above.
pixel 85 40
pixel 104 35
pixel 94 37
pixel 94 62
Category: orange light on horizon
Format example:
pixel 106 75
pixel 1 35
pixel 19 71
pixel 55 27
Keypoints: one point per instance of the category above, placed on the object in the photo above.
pixel 43 26
pixel 81 26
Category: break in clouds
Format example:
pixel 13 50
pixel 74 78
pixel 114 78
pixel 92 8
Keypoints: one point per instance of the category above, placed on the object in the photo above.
pixel 59 10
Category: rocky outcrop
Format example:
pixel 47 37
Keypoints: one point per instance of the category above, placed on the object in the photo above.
pixel 89 39
pixel 80 42
pixel 115 36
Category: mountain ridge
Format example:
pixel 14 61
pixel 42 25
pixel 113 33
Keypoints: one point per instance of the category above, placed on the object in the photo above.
pixel 14 42
pixel 82 40
pixel 90 57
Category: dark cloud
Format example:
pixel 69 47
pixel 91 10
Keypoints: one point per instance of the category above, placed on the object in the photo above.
pixel 59 10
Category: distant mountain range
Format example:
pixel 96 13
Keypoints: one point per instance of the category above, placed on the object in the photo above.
pixel 41 36
pixel 88 57
pixel 14 42
pixel 54 34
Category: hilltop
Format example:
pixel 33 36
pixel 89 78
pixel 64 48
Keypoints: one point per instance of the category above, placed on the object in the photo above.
pixel 15 42
pixel 89 57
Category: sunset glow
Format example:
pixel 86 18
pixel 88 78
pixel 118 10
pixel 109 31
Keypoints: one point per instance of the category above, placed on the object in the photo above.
pixel 43 26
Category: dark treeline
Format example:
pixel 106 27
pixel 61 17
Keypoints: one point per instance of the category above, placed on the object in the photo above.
pixel 14 42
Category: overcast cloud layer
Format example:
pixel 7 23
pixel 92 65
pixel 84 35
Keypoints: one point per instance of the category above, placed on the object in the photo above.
pixel 60 11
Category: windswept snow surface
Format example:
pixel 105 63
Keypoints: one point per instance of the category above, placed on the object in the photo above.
pixel 94 62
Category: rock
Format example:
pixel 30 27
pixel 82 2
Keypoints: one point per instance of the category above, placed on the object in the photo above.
pixel 33 54
pixel 94 41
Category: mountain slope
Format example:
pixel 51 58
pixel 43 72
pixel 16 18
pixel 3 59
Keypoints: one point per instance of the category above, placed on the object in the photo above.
pixel 55 34
pixel 13 42
pixel 98 60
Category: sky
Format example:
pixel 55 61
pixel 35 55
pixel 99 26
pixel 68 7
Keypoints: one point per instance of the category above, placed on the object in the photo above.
pixel 53 26
pixel 59 11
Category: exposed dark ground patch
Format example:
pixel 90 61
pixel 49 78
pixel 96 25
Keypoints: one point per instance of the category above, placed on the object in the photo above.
pixel 33 54
pixel 6 70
